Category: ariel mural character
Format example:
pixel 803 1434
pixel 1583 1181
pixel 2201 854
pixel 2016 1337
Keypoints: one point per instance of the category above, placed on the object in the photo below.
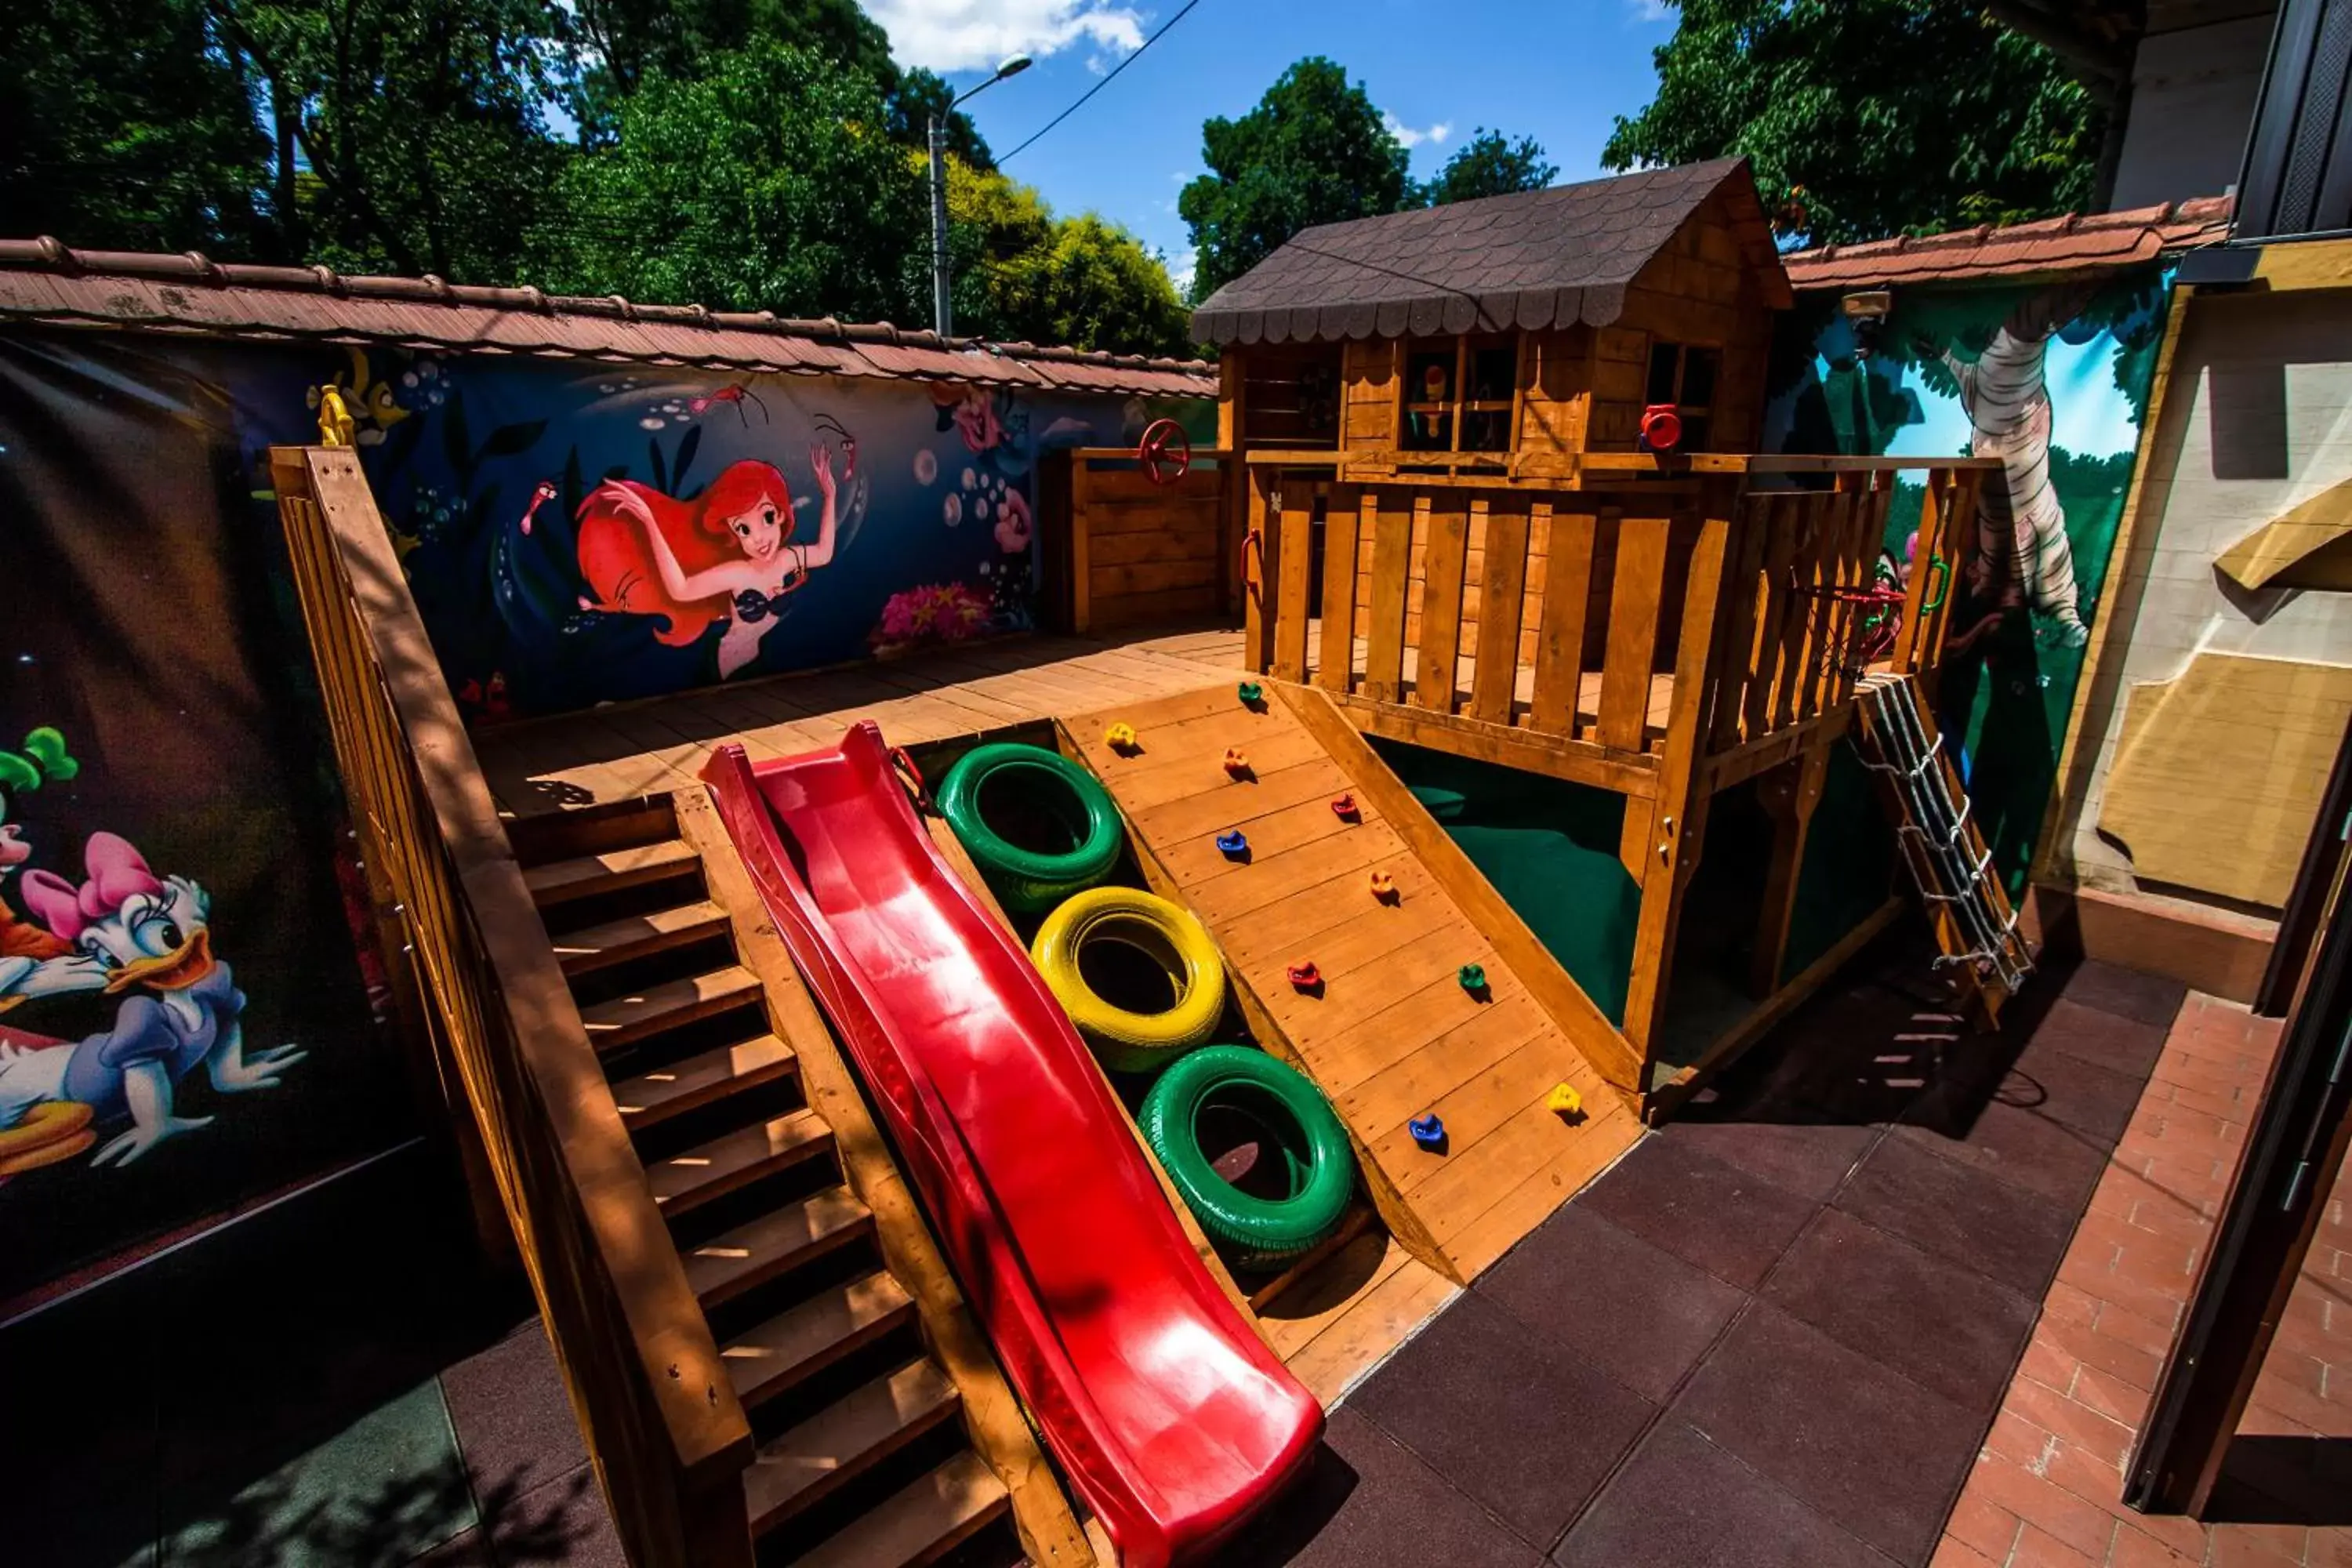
pixel 726 557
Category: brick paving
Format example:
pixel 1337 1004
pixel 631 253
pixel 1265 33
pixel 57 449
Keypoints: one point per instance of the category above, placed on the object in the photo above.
pixel 2046 1484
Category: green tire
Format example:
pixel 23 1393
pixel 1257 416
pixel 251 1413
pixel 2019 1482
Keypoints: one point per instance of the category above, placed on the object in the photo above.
pixel 1054 788
pixel 1263 1233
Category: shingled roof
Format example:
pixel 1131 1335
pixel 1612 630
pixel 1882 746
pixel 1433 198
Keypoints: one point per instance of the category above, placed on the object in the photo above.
pixel 45 282
pixel 1537 260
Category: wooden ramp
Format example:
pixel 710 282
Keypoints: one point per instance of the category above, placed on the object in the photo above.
pixel 1391 1034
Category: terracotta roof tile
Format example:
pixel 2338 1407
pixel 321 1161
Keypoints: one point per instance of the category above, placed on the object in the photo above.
pixel 2070 243
pixel 42 280
pixel 1535 259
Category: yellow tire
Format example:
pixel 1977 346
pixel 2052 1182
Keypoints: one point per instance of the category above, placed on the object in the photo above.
pixel 1160 940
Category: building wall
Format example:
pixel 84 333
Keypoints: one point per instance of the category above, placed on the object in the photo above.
pixel 2194 83
pixel 2221 706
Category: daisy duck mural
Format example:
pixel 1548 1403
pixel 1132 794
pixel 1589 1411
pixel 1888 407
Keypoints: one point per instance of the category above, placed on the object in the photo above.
pixel 121 932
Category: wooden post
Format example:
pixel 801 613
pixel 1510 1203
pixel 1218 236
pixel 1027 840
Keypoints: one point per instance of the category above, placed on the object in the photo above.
pixel 1680 823
pixel 1259 558
pixel 1233 521
pixel 1080 553
pixel 1789 792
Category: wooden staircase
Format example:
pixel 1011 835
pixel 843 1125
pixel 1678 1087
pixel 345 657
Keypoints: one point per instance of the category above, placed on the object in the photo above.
pixel 860 1378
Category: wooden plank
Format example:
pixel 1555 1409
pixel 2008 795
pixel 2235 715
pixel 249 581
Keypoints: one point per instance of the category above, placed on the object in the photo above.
pixel 1571 1010
pixel 1502 590
pixel 1361 1337
pixel 1081 545
pixel 1738 661
pixel 1343 520
pixel 1559 639
pixel 1441 609
pixel 1580 762
pixel 1259 565
pixel 1296 555
pixel 1803 521
pixel 1760 713
pixel 1821 609
pixel 1384 611
pixel 1789 797
pixel 1681 821
pixel 1639 580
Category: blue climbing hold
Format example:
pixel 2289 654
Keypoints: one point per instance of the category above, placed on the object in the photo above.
pixel 1427 1131
pixel 1233 843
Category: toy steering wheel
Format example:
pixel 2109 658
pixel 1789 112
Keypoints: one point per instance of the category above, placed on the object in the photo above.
pixel 1165 452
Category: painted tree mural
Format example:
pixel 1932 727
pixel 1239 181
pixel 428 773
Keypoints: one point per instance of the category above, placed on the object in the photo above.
pixel 2022 551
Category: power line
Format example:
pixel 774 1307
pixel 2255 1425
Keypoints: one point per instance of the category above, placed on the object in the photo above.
pixel 1109 77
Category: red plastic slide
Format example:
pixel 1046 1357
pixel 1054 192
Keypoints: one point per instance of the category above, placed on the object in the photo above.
pixel 1169 1414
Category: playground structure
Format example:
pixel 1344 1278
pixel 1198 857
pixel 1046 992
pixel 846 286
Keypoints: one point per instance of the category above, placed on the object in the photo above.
pixel 825 1202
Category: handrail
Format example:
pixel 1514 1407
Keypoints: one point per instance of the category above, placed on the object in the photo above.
pixel 669 1437
pixel 1563 605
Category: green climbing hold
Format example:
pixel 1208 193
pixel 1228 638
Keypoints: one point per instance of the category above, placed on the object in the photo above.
pixel 1473 977
pixel 1251 693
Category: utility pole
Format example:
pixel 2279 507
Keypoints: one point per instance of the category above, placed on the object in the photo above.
pixel 942 306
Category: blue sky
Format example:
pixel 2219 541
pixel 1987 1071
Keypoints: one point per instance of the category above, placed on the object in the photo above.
pixel 1555 69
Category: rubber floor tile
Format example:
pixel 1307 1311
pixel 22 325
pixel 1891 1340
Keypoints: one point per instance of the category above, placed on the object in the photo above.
pixel 1730 1222
pixel 2109 1040
pixel 2027 1149
pixel 1870 1451
pixel 1960 1214
pixel 1947 1328
pixel 2093 1100
pixel 1808 1158
pixel 514 1421
pixel 1682 1502
pixel 1367 1502
pixel 563 1524
pixel 1525 1429
pixel 1612 1299
pixel 2128 992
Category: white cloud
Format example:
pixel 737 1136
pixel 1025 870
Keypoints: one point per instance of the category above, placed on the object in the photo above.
pixel 1651 10
pixel 1437 135
pixel 974 35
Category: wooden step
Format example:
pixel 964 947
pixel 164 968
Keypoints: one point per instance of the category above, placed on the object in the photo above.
pixel 919 1524
pixel 584 877
pixel 843 1441
pixel 650 1099
pixel 687 1181
pixel 793 1346
pixel 776 1243
pixel 639 936
pixel 672 1004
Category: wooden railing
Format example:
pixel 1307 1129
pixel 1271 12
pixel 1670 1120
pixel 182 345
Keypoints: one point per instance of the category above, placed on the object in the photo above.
pixel 1581 631
pixel 668 1436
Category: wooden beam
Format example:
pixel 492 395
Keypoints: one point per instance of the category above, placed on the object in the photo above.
pixel 1579 762
pixel 1553 988
pixel 1789 795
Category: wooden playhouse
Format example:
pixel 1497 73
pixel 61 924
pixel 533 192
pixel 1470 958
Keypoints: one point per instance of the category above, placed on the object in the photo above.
pixel 1498 498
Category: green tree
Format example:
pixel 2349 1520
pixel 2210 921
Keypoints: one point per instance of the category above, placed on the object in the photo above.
pixel 767 183
pixel 409 133
pixel 1023 275
pixel 1491 164
pixel 618 44
pixel 1866 117
pixel 123 125
pixel 1313 151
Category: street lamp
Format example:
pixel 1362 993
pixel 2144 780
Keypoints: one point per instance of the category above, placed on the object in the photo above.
pixel 942 312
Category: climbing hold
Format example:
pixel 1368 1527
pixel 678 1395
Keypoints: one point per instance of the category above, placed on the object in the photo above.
pixel 1305 976
pixel 1237 762
pixel 1563 1100
pixel 1428 1131
pixel 1383 887
pixel 1233 842
pixel 1473 977
pixel 1251 693
pixel 1120 738
pixel 1344 807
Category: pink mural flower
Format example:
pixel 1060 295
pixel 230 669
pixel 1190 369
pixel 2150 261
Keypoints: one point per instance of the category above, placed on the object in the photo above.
pixel 935 612
pixel 1014 530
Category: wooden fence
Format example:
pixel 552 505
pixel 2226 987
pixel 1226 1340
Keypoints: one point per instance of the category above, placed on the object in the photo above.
pixel 669 1438
pixel 1123 550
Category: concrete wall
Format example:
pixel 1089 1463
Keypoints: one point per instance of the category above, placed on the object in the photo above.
pixel 2193 88
pixel 2257 419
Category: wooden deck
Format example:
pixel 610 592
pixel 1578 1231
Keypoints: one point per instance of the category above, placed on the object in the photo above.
pixel 1392 1033
pixel 657 744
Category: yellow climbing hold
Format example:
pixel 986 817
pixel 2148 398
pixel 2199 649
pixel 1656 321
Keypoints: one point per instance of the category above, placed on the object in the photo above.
pixel 1563 1100
pixel 1119 737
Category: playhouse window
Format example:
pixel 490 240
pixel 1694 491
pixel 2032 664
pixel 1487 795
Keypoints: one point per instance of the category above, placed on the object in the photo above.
pixel 1458 394
pixel 1683 377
